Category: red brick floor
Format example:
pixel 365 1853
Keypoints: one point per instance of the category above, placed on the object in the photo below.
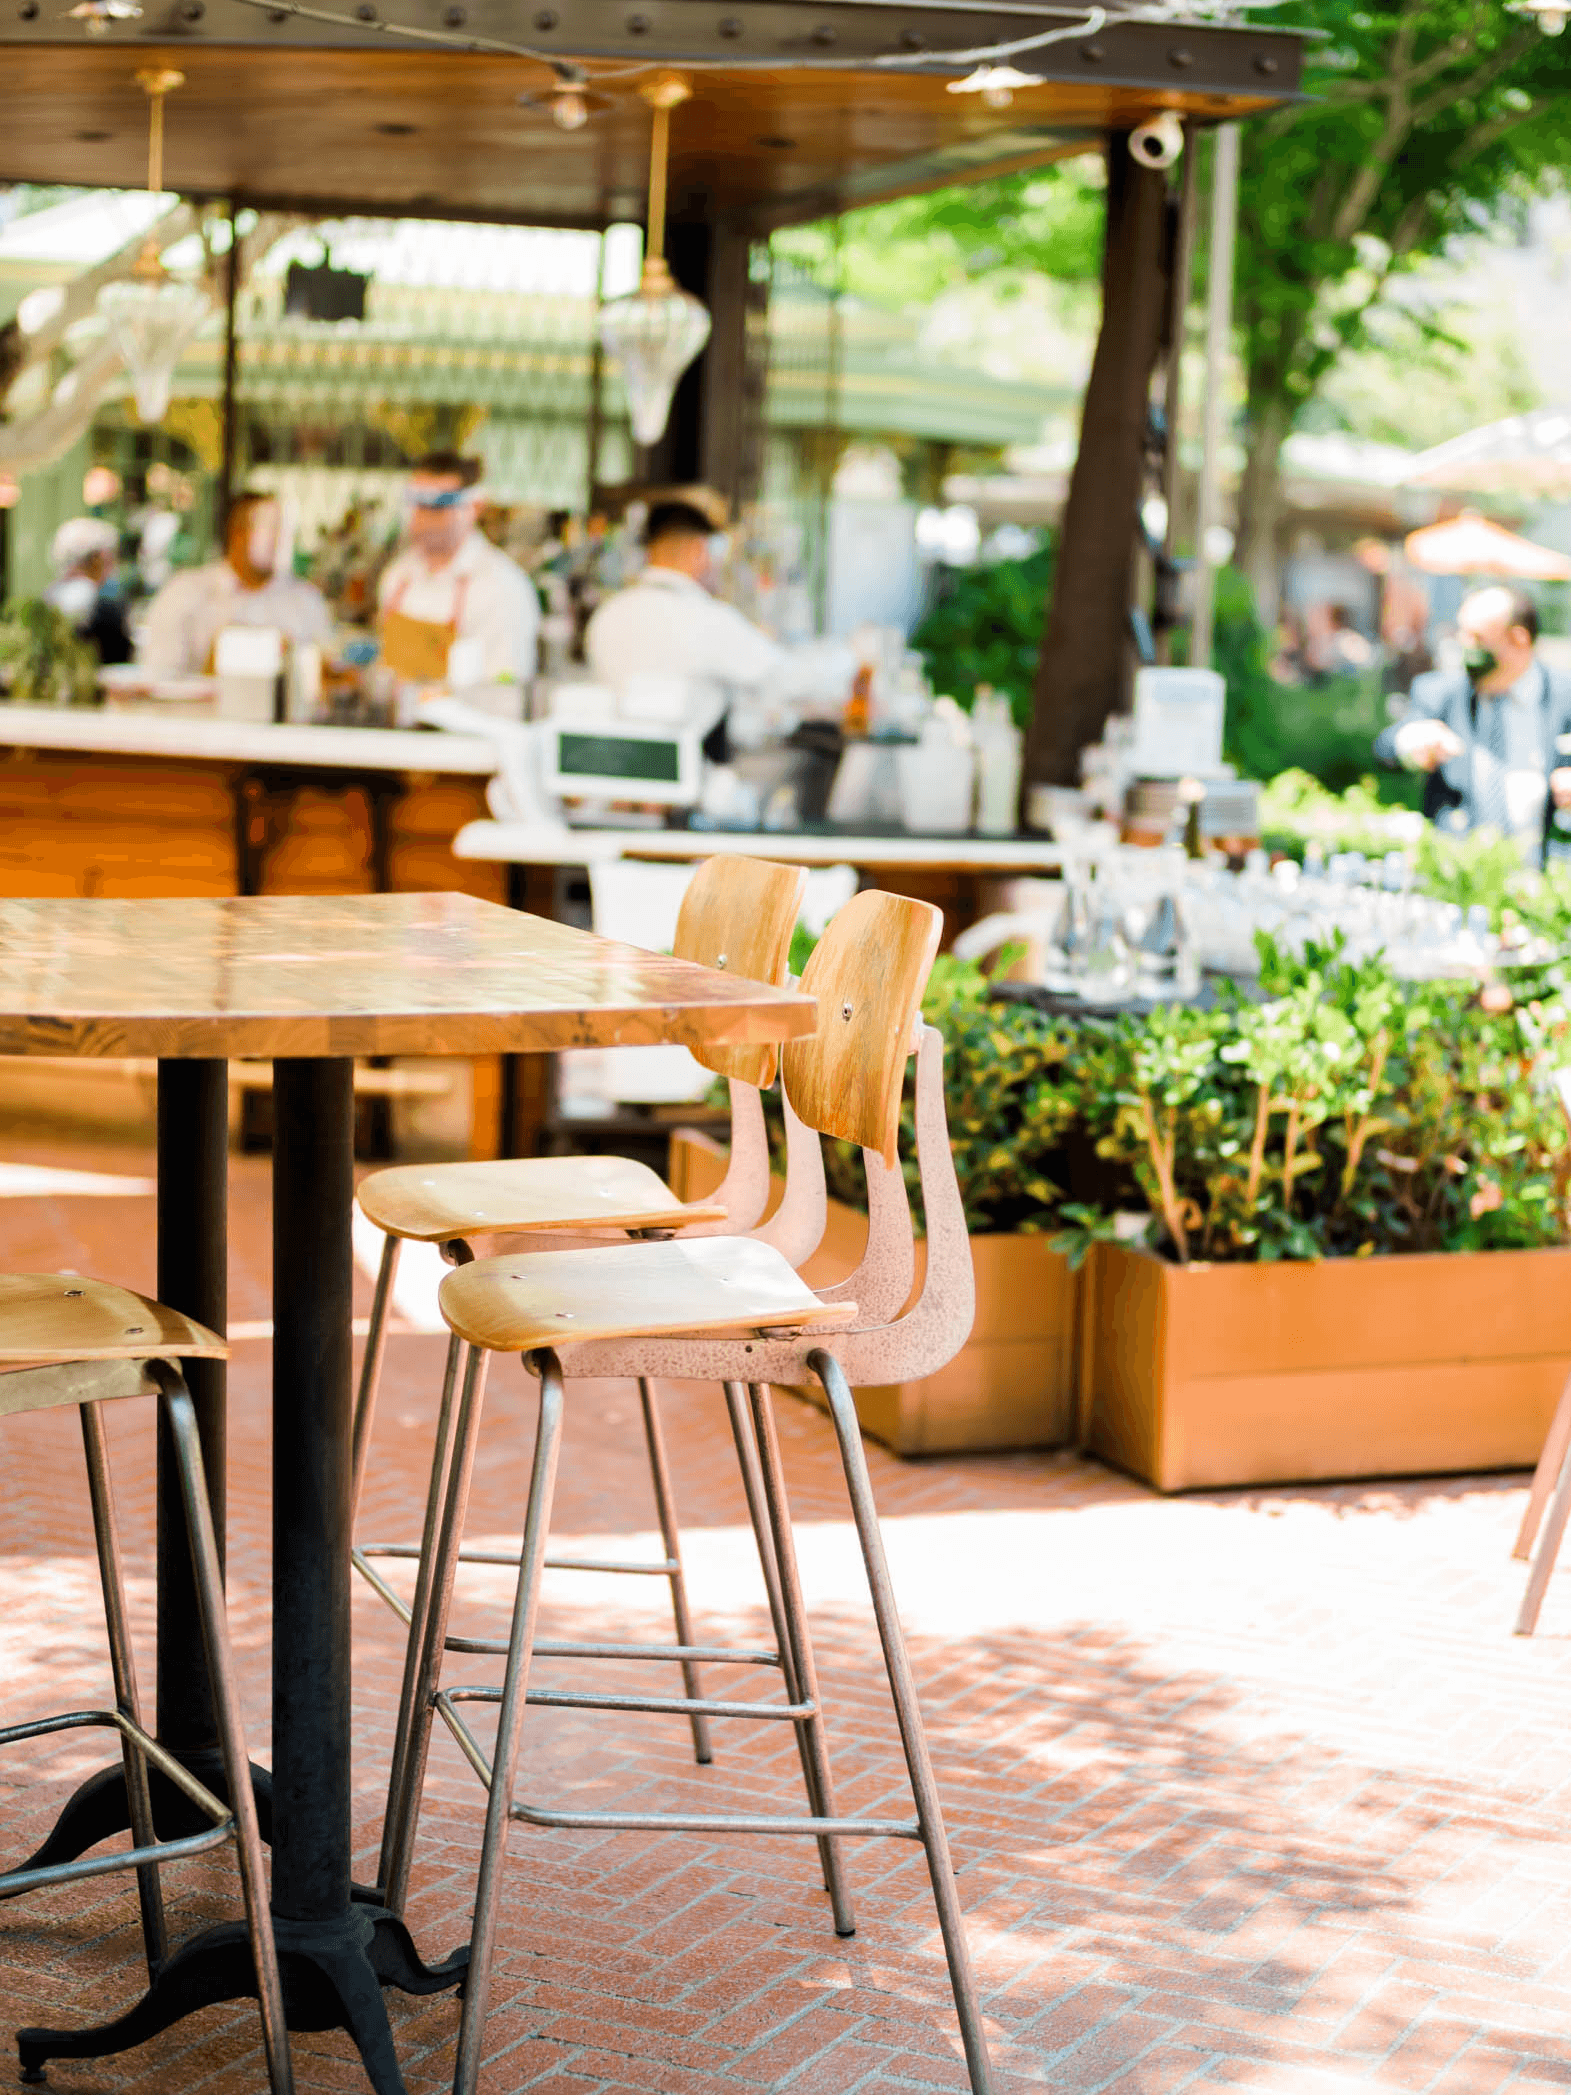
pixel 1247 1790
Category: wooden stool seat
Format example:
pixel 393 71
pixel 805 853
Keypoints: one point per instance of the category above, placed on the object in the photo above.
pixel 63 1317
pixel 691 1284
pixel 433 1204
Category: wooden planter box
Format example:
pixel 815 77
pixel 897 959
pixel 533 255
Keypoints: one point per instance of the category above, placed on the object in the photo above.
pixel 1261 1374
pixel 1014 1383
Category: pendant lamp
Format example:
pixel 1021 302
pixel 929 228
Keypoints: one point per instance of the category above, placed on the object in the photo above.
pixel 151 315
pixel 655 333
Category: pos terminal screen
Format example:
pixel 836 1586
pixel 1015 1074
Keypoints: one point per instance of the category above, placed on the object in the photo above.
pixel 619 756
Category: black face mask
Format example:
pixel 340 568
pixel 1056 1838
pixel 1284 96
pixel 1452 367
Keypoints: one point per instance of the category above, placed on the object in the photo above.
pixel 1480 662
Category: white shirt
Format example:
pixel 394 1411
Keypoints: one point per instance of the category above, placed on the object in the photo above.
pixel 482 594
pixel 194 606
pixel 667 624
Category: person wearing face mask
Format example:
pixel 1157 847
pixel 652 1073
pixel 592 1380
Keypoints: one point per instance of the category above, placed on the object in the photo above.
pixel 667 623
pixel 1494 736
pixel 454 608
pixel 245 588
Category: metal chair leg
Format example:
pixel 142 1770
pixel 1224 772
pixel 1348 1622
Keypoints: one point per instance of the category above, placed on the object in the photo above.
pixel 902 1686
pixel 509 1734
pixel 181 1416
pixel 149 1890
pixel 444 1570
pixel 436 1490
pixel 671 1535
pixel 371 1368
pixel 758 1513
pixel 1556 1442
pixel 810 1732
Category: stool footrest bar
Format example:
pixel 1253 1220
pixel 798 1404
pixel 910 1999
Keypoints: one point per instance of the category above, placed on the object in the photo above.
pixel 659 1705
pixel 659 1821
pixel 660 1568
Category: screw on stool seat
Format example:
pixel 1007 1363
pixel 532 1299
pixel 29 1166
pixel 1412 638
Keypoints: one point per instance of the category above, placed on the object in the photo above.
pixel 71 1341
pixel 731 1310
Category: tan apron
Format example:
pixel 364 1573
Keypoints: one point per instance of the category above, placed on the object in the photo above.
pixel 418 648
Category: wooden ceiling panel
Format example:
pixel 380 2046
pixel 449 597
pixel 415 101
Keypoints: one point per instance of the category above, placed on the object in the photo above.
pixel 445 133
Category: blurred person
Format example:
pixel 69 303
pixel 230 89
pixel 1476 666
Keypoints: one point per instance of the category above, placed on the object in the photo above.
pixel 84 555
pixel 668 622
pixel 1347 651
pixel 1287 660
pixel 449 586
pixel 1491 736
pixel 244 588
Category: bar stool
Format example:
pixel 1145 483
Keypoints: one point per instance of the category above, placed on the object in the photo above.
pixel 738 914
pixel 732 1310
pixel 88 1343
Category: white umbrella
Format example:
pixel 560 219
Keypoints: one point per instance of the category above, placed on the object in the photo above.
pixel 1523 455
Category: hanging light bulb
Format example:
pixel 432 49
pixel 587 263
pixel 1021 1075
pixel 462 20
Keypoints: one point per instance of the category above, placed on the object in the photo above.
pixel 569 110
pixel 150 315
pixel 656 332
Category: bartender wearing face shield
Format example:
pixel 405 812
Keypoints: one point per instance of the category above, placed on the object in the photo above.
pixel 454 609
pixel 667 623
pixel 245 588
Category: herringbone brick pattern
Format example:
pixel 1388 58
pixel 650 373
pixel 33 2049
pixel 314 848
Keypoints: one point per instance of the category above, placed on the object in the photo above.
pixel 1247 1791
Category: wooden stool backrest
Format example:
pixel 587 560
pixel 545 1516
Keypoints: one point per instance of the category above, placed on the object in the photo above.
pixel 868 972
pixel 739 914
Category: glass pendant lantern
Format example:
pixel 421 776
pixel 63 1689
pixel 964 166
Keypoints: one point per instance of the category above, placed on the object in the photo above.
pixel 655 333
pixel 150 315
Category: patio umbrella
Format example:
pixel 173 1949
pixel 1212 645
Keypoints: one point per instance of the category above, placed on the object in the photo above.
pixel 1523 455
pixel 1470 544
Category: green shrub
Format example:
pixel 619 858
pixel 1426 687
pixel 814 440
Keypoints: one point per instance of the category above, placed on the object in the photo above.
pixel 986 628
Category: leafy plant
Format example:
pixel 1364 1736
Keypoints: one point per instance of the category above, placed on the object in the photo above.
pixel 986 628
pixel 43 660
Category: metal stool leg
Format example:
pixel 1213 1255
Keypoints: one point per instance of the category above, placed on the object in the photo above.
pixel 1548 1549
pixel 671 1535
pixel 181 1416
pixel 149 1890
pixel 758 1513
pixel 441 1454
pixel 371 1367
pixel 1556 1442
pixel 509 1735
pixel 395 1889
pixel 902 1686
pixel 810 1732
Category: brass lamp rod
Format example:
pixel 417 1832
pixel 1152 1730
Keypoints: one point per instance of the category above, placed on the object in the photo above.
pixel 663 95
pixel 158 83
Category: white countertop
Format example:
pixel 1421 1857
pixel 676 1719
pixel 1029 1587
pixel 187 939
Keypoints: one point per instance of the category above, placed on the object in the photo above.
pixel 207 739
pixel 519 843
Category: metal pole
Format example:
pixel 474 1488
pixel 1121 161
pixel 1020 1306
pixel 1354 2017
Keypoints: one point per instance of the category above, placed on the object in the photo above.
pixel 1219 328
pixel 230 435
pixel 1172 384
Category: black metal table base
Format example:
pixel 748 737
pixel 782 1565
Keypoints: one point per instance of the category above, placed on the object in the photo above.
pixel 333 1974
pixel 98 1809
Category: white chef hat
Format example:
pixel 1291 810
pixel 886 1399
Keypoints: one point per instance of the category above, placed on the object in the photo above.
pixel 79 539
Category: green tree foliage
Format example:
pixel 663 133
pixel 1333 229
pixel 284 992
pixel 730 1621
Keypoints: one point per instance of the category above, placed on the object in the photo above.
pixel 1045 222
pixel 1424 119
pixel 986 628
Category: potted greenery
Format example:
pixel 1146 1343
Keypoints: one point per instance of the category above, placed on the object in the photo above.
pixel 1354 1263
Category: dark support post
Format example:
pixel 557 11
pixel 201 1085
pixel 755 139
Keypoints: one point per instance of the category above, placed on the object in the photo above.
pixel 230 432
pixel 1083 672
pixel 313 1196
pixel 193 1268
pixel 678 458
pixel 723 399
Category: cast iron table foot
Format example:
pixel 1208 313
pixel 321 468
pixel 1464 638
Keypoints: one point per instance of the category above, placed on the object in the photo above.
pixel 333 1974
pixel 98 1810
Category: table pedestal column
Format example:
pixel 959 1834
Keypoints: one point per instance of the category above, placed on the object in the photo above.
pixel 336 1952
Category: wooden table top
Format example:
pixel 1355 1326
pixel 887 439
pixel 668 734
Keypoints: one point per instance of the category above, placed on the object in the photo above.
pixel 287 975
